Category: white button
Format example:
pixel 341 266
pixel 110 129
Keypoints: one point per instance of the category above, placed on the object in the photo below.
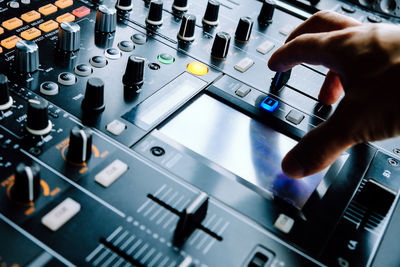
pixel 244 64
pixel 61 214
pixel 265 47
pixel 66 78
pixel 116 127
pixel 286 30
pixel 284 223
pixel 243 91
pixel 294 117
pixel 111 173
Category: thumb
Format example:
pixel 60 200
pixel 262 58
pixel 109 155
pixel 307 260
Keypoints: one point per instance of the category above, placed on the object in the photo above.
pixel 318 149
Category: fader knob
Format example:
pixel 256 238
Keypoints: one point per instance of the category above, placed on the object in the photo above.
pixel 80 145
pixel 134 73
pixel 124 5
pixel 94 96
pixel 220 47
pixel 188 26
pixel 27 183
pixel 69 36
pixel 5 99
pixel 243 30
pixel 211 15
pixel 180 5
pixel 38 122
pixel 267 12
pixel 154 17
pixel 106 19
pixel 26 56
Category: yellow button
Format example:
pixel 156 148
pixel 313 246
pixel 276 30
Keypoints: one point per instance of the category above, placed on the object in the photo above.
pixel 65 17
pixel 30 34
pixel 64 3
pixel 1 30
pixel 30 16
pixel 48 9
pixel 197 68
pixel 48 26
pixel 12 24
pixel 10 42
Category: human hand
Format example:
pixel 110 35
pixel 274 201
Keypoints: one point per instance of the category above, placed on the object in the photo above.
pixel 364 63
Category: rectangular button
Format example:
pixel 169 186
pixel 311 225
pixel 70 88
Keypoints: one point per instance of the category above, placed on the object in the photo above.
pixel 294 117
pixel 1 50
pixel 265 47
pixel 243 91
pixel 61 214
pixel 111 173
pixel 64 3
pixel 1 30
pixel 81 12
pixel 65 17
pixel 10 42
pixel 286 30
pixel 284 223
pixel 244 64
pixel 48 9
pixel 12 24
pixel 30 34
pixel 48 26
pixel 30 16
pixel 116 127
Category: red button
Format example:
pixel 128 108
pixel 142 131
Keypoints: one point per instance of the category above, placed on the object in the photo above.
pixel 81 12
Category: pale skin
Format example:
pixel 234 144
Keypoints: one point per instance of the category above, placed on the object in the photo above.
pixel 364 63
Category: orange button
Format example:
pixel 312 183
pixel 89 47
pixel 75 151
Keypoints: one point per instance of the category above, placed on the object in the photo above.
pixel 65 17
pixel 30 34
pixel 64 3
pixel 48 9
pixel 12 24
pixel 81 11
pixel 1 30
pixel 30 16
pixel 1 50
pixel 48 26
pixel 10 42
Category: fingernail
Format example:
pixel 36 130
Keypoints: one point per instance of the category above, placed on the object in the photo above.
pixel 292 168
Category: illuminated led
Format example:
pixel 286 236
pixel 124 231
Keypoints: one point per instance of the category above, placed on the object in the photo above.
pixel 166 58
pixel 269 104
pixel 197 68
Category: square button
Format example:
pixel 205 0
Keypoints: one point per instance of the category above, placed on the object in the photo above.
pixel 116 127
pixel 12 24
pixel 243 91
pixel 30 16
pixel 48 9
pixel 295 117
pixel 30 34
pixel 284 223
pixel 81 12
pixel 269 104
pixel 48 26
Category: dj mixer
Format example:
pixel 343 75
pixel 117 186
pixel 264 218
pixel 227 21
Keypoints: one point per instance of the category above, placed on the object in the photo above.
pixel 151 133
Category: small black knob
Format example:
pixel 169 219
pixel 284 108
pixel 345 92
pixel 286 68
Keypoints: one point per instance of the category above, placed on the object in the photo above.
pixel 80 145
pixel 38 122
pixel 188 26
pixel 134 73
pixel 27 183
pixel 221 44
pixel 94 96
pixel 243 30
pixel 180 6
pixel 6 100
pixel 154 17
pixel 267 12
pixel 211 15
pixel 124 5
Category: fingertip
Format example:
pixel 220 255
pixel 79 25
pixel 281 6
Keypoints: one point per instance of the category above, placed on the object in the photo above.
pixel 292 167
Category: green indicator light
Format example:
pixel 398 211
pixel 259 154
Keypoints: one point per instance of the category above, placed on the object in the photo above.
pixel 166 58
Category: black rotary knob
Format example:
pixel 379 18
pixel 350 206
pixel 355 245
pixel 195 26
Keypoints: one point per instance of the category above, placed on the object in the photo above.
pixel 94 96
pixel 267 12
pixel 211 15
pixel 38 122
pixel 6 100
pixel 134 72
pixel 27 183
pixel 154 17
pixel 221 44
pixel 124 5
pixel 80 145
pixel 188 26
pixel 243 30
pixel 180 6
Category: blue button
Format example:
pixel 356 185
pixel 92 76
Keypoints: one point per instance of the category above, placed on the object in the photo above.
pixel 269 104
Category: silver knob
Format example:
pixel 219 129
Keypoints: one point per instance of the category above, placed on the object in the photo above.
pixel 106 19
pixel 69 36
pixel 26 56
